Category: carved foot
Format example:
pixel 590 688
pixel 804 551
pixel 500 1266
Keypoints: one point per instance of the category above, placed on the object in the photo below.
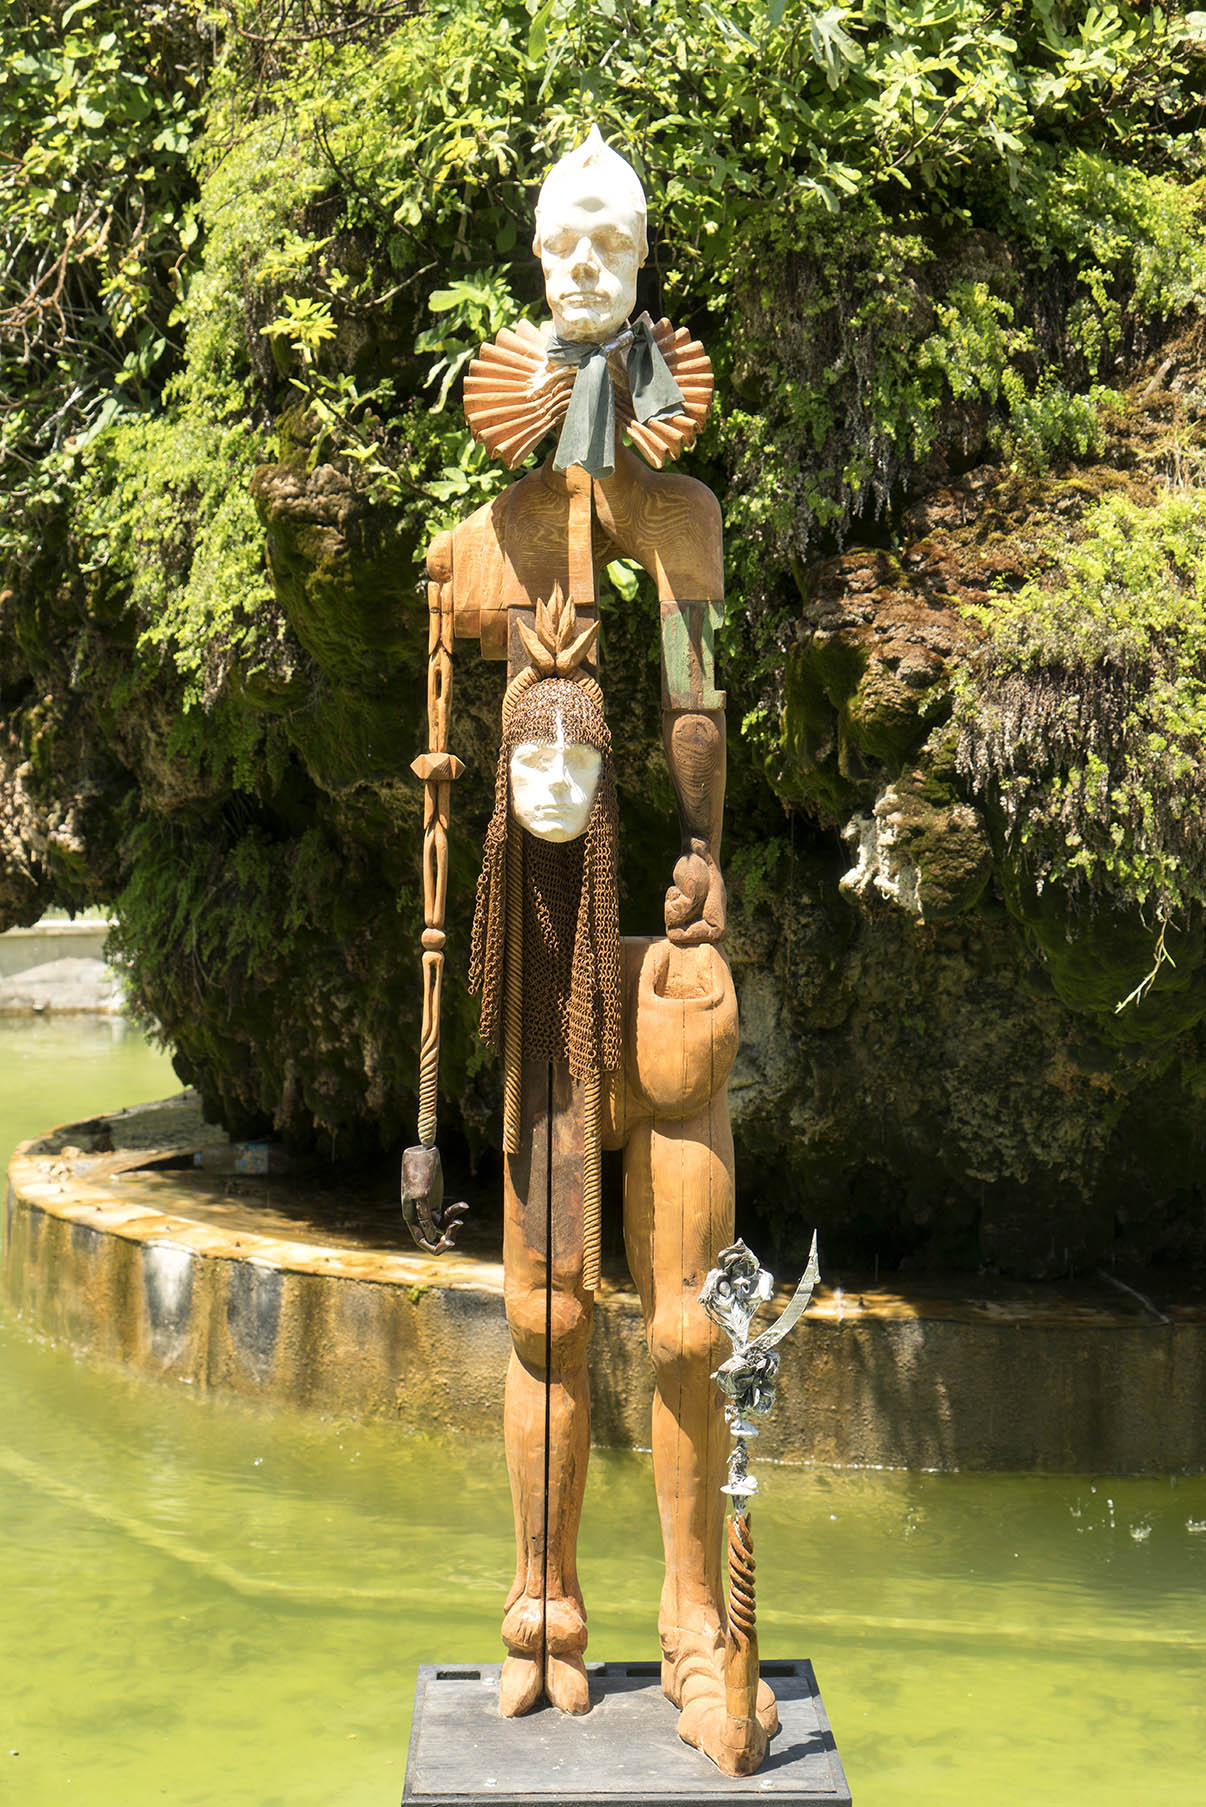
pixel 694 1680
pixel 565 1683
pixel 695 902
pixel 736 1746
pixel 520 1686
pixel 545 1639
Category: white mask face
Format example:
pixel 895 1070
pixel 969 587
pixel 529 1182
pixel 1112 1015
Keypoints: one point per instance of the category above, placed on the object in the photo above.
pixel 590 239
pixel 553 787
pixel 590 253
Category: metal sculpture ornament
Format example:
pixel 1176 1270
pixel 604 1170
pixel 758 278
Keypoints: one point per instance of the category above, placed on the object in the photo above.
pixel 733 1294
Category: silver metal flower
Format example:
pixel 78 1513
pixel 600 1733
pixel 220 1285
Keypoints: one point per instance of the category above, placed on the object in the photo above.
pixel 733 1293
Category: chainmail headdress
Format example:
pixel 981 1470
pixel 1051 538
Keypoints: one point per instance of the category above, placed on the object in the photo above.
pixel 545 953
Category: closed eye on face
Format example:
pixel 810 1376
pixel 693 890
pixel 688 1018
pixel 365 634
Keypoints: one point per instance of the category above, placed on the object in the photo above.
pixel 607 242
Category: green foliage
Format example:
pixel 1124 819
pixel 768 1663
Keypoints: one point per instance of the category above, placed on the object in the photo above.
pixel 1132 239
pixel 1084 715
pixel 847 138
pixel 99 104
pixel 307 324
pixel 473 310
pixel 172 521
pixel 908 231
pixel 1053 423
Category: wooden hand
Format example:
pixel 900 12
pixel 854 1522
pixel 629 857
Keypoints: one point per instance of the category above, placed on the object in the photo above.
pixel 432 1223
pixel 695 902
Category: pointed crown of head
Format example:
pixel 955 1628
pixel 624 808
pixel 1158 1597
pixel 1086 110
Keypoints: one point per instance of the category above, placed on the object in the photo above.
pixel 594 161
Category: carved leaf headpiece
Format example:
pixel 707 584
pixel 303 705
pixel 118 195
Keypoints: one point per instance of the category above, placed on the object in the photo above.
pixel 554 648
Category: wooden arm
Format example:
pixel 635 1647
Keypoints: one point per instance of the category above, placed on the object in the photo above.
pixel 438 768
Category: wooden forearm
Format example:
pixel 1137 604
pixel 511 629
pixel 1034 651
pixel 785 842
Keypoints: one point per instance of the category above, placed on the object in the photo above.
pixel 438 768
pixel 695 754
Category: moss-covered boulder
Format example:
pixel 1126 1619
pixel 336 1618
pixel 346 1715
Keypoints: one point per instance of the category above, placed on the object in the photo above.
pixel 960 374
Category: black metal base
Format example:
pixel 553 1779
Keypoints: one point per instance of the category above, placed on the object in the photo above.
pixel 624 1751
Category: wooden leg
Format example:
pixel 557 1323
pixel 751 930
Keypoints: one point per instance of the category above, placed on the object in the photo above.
pixel 678 1215
pixel 547 1404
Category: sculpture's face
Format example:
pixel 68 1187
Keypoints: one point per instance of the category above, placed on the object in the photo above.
pixel 590 241
pixel 553 785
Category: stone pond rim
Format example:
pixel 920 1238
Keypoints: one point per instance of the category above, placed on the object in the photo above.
pixel 263 1288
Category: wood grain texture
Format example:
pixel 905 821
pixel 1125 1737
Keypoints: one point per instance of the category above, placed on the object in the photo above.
pixel 742 1743
pixel 438 768
pixel 678 1215
pixel 668 1106
pixel 546 1416
pixel 549 531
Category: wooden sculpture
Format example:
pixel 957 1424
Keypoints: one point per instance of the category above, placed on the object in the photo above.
pixel 605 1043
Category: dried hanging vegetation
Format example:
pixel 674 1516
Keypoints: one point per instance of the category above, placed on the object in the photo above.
pixel 1083 714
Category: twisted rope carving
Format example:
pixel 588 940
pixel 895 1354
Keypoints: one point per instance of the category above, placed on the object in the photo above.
pixel 513 1000
pixel 741 1579
pixel 429 1048
pixel 592 1180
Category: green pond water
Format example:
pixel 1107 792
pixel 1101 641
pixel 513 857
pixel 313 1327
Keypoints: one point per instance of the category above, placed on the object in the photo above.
pixel 204 1604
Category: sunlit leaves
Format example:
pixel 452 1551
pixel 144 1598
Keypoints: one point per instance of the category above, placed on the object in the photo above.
pixel 97 114
pixel 473 310
pixel 305 324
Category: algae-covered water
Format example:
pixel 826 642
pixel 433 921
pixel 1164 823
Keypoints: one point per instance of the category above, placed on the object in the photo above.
pixel 203 1604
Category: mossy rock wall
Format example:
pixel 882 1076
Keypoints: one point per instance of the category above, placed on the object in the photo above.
pixel 936 359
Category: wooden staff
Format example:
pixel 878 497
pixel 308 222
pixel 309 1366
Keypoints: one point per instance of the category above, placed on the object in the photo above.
pixel 732 1294
pixel 743 1736
pixel 438 768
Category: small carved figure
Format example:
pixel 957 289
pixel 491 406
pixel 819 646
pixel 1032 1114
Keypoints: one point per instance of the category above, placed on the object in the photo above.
pixel 606 1043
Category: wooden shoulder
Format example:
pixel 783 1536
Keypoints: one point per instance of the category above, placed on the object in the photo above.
pixel 670 524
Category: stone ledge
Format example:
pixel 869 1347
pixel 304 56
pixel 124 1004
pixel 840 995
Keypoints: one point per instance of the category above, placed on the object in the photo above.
pixel 63 985
pixel 271 1289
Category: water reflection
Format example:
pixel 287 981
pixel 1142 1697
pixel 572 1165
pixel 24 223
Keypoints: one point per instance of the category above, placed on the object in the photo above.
pixel 204 1604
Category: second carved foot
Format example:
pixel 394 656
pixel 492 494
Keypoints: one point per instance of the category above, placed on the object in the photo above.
pixel 695 1681
pixel 520 1686
pixel 565 1683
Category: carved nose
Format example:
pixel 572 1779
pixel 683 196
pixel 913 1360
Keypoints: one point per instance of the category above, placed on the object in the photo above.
pixel 559 779
pixel 583 260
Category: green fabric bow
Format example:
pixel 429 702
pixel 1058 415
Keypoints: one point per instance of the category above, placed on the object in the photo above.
pixel 588 436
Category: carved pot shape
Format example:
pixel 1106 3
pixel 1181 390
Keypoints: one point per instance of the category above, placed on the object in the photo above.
pixel 682 1038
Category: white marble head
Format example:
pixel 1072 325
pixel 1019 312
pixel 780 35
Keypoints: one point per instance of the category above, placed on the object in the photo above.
pixel 553 786
pixel 591 240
